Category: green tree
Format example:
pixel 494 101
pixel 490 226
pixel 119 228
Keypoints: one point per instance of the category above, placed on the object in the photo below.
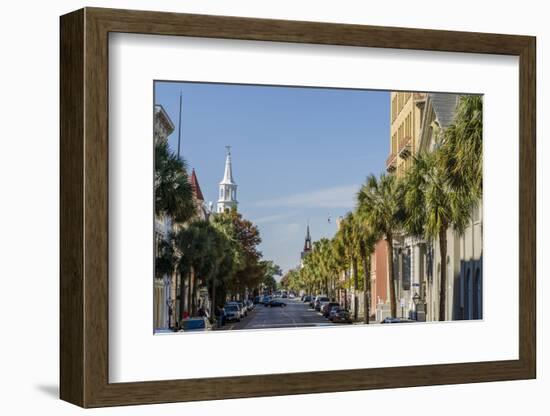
pixel 173 192
pixel 244 239
pixel 270 273
pixel 173 200
pixel 433 205
pixel 380 204
pixel 347 249
pixel 462 147
pixel 199 245
pixel 367 239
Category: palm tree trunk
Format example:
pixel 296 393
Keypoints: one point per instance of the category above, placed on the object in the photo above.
pixel 182 296
pixel 393 304
pixel 366 282
pixel 443 278
pixel 190 292
pixel 194 297
pixel 355 288
pixel 213 305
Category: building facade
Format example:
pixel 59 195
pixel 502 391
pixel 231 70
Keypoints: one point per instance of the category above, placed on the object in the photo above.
pixel 406 114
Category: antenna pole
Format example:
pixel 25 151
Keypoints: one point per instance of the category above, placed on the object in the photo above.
pixel 179 129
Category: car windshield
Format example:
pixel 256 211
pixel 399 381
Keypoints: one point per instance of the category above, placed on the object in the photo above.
pixel 231 308
pixel 323 299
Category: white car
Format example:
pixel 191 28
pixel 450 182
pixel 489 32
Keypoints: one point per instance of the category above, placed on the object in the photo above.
pixel 232 312
pixel 240 307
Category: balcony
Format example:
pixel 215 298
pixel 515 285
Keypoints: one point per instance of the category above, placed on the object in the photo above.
pixel 391 162
pixel 404 148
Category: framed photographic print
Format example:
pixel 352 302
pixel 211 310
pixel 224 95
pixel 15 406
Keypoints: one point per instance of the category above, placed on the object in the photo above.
pixel 255 207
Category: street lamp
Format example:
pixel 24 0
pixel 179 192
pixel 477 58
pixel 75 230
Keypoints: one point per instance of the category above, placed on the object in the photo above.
pixel 170 311
pixel 416 298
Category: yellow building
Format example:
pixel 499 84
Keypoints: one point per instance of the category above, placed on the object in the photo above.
pixel 406 118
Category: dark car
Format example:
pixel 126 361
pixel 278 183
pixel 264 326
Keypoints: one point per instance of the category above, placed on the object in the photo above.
pixel 257 299
pixel 327 307
pixel 340 315
pixel 274 303
pixel 306 298
pixel 390 320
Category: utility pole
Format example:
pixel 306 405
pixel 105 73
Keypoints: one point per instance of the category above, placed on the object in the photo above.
pixel 179 129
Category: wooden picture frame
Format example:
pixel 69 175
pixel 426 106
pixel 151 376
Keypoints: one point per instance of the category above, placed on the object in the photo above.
pixel 84 207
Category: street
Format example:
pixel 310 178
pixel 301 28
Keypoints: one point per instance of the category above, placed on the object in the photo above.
pixel 295 314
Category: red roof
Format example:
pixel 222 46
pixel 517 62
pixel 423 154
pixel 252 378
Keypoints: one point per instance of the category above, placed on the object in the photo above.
pixel 197 193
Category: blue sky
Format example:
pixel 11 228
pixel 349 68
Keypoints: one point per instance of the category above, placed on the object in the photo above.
pixel 299 154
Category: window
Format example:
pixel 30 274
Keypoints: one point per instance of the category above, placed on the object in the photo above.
pixel 406 267
pixel 466 295
pixel 477 295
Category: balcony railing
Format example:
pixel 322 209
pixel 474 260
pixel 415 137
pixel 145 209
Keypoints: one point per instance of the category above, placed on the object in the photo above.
pixel 391 162
pixel 404 147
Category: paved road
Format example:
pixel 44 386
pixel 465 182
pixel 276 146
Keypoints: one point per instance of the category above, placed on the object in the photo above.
pixel 295 314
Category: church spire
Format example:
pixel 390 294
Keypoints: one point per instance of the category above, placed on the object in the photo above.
pixel 228 188
pixel 228 174
pixel 307 243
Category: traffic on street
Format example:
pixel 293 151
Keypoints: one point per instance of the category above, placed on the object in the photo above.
pixel 282 311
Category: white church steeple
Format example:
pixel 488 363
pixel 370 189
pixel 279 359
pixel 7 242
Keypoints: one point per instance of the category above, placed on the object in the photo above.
pixel 227 198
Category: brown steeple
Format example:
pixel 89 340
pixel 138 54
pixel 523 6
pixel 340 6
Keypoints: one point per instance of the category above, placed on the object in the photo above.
pixel 197 193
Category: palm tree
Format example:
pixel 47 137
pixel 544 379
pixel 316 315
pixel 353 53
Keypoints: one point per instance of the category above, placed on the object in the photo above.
pixel 367 239
pixel 347 240
pixel 462 147
pixel 433 204
pixel 173 192
pixel 380 205
pixel 173 199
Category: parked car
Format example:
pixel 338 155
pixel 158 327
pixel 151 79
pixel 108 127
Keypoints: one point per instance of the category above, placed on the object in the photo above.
pixel 249 304
pixel 243 307
pixel 319 300
pixel 390 320
pixel 327 307
pixel 232 312
pixel 257 299
pixel 274 302
pixel 266 299
pixel 306 298
pixel 340 315
pixel 240 305
pixel 313 300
